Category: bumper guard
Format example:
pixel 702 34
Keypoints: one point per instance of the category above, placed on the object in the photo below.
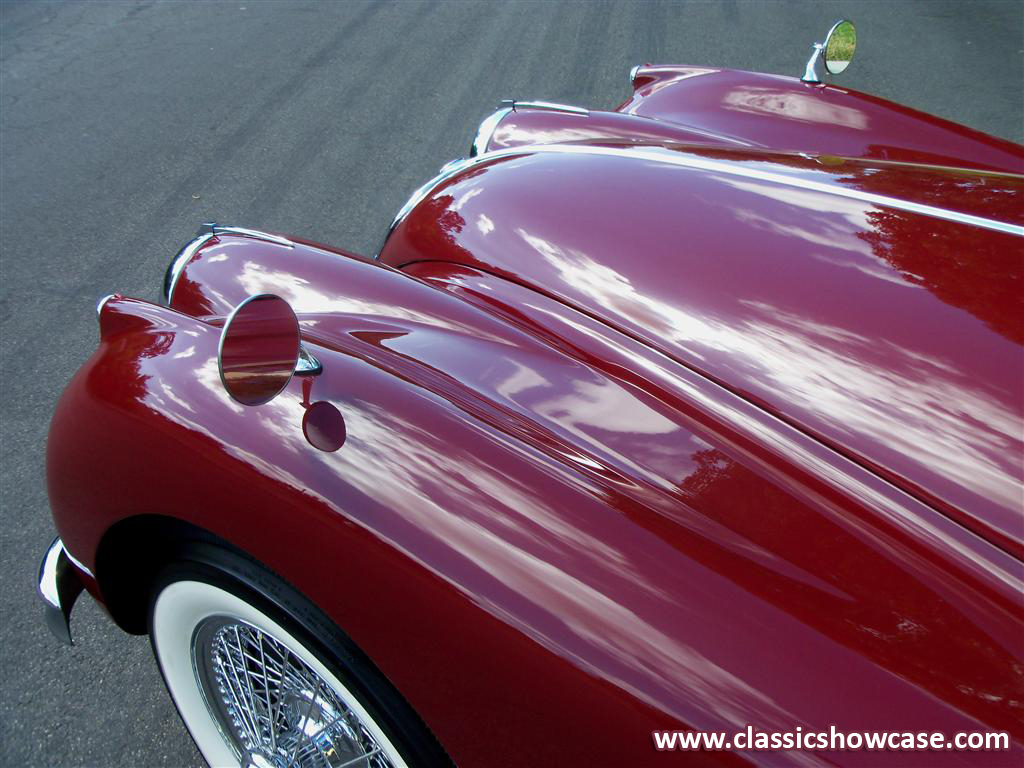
pixel 59 587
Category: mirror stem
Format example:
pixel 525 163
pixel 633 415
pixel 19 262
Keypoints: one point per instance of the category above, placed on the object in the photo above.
pixel 811 70
pixel 307 365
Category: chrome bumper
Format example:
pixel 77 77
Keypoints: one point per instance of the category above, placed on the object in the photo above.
pixel 59 587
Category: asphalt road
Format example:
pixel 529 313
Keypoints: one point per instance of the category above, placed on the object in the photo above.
pixel 123 125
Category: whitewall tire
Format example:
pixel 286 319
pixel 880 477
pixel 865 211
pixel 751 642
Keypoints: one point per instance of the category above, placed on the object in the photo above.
pixel 255 688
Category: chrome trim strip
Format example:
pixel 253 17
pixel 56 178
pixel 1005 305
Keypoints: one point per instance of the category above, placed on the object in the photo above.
pixel 177 265
pixel 59 588
pixel 633 73
pixel 665 68
pixel 490 123
pixel 550 107
pixel 446 172
pixel 648 153
pixel 486 131
pixel 663 156
pixel 102 302
pixel 207 231
pixel 697 163
pixel 255 234
pixel 874 161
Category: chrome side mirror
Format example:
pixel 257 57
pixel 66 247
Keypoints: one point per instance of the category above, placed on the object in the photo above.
pixel 837 51
pixel 259 349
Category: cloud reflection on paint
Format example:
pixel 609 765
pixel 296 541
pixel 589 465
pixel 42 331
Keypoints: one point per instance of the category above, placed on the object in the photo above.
pixel 801 107
pixel 903 406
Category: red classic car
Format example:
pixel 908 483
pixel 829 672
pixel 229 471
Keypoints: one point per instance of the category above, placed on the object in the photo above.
pixel 704 414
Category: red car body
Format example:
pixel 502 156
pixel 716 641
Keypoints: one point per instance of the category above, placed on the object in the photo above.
pixel 699 414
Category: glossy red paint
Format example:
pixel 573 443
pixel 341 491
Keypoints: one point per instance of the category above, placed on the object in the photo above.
pixel 863 324
pixel 557 525
pixel 730 108
pixel 525 126
pixel 784 113
pixel 629 443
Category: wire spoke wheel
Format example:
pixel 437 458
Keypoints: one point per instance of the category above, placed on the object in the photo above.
pixel 252 694
pixel 273 707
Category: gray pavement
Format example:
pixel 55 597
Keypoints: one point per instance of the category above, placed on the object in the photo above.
pixel 123 125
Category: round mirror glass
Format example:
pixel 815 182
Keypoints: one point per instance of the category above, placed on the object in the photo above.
pixel 839 46
pixel 259 347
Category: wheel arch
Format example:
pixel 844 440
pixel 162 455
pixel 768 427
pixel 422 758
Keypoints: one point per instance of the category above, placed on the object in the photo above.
pixel 131 554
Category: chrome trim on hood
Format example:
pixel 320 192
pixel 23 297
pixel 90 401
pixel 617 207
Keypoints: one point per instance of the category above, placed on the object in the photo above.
pixel 659 155
pixel 490 123
pixel 446 172
pixel 207 231
pixel 550 106
pixel 253 233
pixel 696 163
pixel 486 131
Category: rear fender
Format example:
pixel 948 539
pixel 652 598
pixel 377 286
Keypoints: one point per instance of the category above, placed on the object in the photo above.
pixel 786 114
